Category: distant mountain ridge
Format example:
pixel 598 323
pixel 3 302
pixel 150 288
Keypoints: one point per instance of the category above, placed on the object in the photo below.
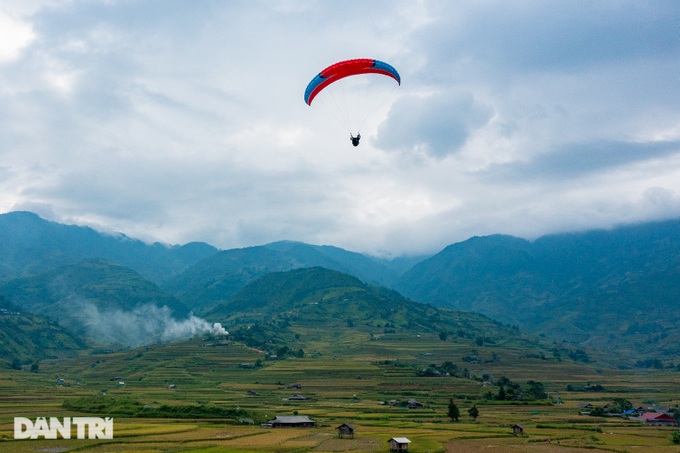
pixel 30 245
pixel 219 277
pixel 617 290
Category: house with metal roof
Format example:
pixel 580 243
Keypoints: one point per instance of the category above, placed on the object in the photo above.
pixel 399 444
pixel 290 421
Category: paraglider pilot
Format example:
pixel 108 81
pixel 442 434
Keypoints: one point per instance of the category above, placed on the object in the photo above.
pixel 355 140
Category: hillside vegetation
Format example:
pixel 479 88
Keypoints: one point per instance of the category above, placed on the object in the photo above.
pixel 219 277
pixel 319 311
pixel 95 299
pixel 26 338
pixel 615 290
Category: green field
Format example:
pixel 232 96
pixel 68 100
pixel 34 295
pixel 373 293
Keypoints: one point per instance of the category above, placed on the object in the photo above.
pixel 352 388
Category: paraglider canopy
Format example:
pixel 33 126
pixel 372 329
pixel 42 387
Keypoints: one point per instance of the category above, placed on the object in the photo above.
pixel 349 106
pixel 348 68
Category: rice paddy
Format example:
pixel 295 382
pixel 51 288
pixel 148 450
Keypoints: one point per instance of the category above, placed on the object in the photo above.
pixel 354 388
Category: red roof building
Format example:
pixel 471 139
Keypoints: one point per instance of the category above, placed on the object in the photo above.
pixel 655 418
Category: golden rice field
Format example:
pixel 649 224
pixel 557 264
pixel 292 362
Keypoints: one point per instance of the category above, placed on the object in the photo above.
pixel 339 388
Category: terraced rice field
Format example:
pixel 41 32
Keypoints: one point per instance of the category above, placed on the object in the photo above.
pixel 338 388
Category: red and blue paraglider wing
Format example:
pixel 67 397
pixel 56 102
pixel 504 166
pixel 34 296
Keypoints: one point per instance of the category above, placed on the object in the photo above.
pixel 348 68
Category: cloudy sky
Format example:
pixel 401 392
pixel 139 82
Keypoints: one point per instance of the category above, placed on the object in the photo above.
pixel 179 121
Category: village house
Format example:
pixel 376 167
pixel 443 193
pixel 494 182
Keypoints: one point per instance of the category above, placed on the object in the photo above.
pixel 290 421
pixel 414 404
pixel 345 430
pixel 296 397
pixel 658 419
pixel 399 444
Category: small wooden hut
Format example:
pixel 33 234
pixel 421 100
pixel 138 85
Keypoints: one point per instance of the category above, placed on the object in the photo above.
pixel 345 430
pixel 399 444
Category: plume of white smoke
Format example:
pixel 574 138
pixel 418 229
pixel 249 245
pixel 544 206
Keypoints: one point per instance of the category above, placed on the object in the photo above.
pixel 190 327
pixel 145 324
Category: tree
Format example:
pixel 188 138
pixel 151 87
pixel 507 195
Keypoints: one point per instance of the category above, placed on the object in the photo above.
pixel 536 391
pixel 620 405
pixel 443 335
pixel 501 394
pixel 473 412
pixel 675 437
pixel 597 412
pixel 454 412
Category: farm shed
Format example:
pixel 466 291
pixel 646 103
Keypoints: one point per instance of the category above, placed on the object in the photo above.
pixel 399 444
pixel 290 421
pixel 415 404
pixel 297 397
pixel 345 430
pixel 518 430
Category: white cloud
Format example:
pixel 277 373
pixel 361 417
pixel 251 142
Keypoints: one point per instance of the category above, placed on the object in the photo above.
pixel 436 124
pixel 15 35
pixel 182 121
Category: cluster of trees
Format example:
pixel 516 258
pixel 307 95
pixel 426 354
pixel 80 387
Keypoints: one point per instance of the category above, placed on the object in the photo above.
pixel 284 351
pixel 512 391
pixel 447 368
pixel 454 412
pixel 649 363
pixel 260 336
pixel 577 355
pixel 255 335
pixel 132 408
pixel 617 406
pixel 16 364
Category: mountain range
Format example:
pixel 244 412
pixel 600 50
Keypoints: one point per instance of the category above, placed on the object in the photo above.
pixel 616 290
pixel 30 245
